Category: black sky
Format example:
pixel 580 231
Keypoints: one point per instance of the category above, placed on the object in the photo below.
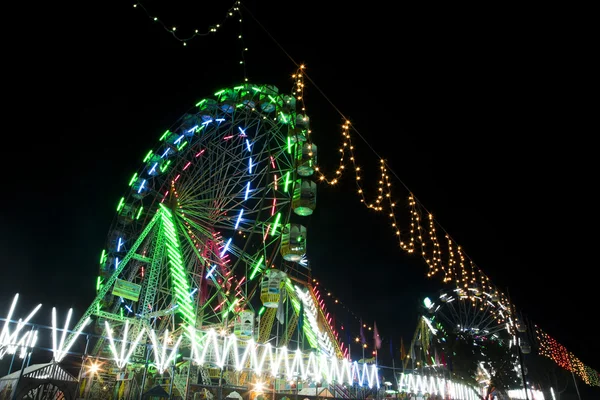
pixel 482 113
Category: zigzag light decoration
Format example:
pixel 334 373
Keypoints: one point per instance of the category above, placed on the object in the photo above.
pixel 211 348
pixel 120 358
pixel 23 343
pixel 59 351
pixel 434 385
pixel 160 351
pixel 10 341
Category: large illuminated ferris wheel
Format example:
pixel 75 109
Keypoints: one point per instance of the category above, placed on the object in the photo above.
pixel 211 237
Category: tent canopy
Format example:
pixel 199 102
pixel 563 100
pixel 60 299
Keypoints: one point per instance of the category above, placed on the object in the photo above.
pixel 39 375
pixel 51 371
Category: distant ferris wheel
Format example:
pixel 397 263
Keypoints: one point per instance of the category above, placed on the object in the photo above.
pixel 469 310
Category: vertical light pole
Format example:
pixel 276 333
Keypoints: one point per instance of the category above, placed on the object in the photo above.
pixel 83 359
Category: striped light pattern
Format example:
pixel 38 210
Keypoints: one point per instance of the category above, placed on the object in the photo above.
pixel 181 287
pixel 221 351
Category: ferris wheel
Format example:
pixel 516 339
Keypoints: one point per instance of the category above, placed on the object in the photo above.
pixel 212 226
pixel 469 310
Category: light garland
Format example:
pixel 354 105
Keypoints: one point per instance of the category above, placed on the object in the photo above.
pixel 439 261
pixel 418 236
pixel 551 348
pixel 234 9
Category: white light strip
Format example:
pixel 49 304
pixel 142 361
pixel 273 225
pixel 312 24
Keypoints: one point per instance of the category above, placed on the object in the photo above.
pixel 310 310
pixel 121 359
pixel 60 351
pixel 9 342
pixel 211 348
pixel 432 384
pixel 160 352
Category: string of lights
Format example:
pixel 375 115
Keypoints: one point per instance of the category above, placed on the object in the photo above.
pixel 233 11
pixel 551 348
pixel 419 238
pixel 451 262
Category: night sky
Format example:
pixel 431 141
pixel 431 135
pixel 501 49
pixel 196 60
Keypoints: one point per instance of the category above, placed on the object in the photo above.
pixel 482 114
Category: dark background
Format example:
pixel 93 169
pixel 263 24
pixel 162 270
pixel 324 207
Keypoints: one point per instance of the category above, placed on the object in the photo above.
pixel 483 112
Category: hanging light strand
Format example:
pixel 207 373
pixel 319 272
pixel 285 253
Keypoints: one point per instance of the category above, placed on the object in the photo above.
pixel 232 12
pixel 452 263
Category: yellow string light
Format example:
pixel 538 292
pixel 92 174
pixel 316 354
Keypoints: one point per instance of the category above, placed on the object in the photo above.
pixel 456 267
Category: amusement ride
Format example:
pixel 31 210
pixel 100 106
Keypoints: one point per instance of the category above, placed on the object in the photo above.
pixel 204 285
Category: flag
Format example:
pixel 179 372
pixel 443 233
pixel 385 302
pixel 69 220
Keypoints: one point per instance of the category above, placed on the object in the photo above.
pixel 376 336
pixel 363 339
pixel 402 350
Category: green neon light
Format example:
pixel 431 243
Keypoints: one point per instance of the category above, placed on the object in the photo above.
pixel 181 286
pixel 103 256
pixel 288 284
pixel 121 204
pixel 98 283
pixel 256 89
pixel 220 92
pixel 182 145
pixel 287 181
pixel 133 178
pixel 139 212
pixel 201 102
pixel 289 145
pixel 230 309
pixel 309 334
pixel 164 167
pixel 164 135
pixel 147 156
pixel 256 267
pixel 284 117
pixel 238 87
pixel 262 310
pixel 276 224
